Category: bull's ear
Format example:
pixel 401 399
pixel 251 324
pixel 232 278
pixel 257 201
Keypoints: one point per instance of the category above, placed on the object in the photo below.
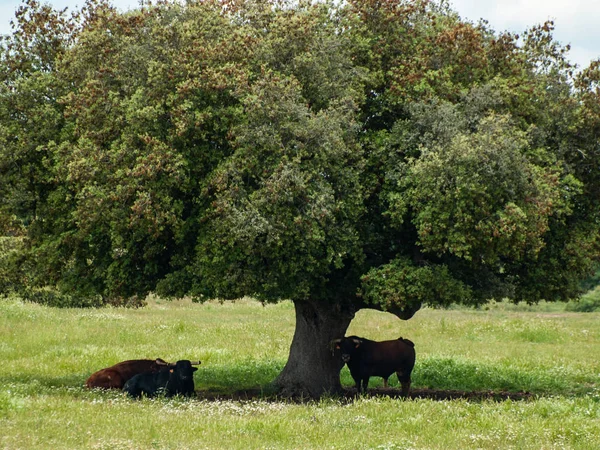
pixel 194 369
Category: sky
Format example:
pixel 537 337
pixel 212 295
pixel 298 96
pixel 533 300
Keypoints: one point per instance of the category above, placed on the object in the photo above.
pixel 577 22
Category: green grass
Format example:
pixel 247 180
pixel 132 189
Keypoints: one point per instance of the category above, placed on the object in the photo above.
pixel 48 353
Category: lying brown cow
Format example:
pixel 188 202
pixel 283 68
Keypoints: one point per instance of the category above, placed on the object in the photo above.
pixel 115 377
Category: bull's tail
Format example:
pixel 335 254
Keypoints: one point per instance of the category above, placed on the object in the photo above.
pixel 407 341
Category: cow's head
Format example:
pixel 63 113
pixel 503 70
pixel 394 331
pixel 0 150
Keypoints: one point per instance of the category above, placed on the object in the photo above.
pixel 346 346
pixel 184 370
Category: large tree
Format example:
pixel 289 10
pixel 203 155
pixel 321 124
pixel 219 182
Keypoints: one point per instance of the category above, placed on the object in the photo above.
pixel 375 154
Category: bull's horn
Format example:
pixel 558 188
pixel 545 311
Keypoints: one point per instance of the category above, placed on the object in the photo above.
pixel 195 363
pixel 356 341
pixel 332 345
pixel 161 362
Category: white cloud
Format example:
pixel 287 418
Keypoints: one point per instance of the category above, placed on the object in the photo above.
pixel 8 8
pixel 576 21
pixel 7 13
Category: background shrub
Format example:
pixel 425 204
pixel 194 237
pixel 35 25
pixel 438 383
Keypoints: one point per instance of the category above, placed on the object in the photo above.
pixel 50 296
pixel 9 276
pixel 589 302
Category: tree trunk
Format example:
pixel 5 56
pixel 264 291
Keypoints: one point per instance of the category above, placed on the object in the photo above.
pixel 311 369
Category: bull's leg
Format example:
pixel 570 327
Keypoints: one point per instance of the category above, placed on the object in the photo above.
pixel 115 380
pixel 404 382
pixel 357 382
pixel 405 388
pixel 135 392
pixel 365 382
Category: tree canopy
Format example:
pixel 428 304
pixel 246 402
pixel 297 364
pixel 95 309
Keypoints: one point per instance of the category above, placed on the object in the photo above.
pixel 366 154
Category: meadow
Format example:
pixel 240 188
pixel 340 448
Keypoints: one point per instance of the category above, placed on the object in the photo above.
pixel 548 354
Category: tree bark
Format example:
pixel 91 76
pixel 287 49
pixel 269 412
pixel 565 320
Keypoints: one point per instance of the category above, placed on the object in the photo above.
pixel 311 369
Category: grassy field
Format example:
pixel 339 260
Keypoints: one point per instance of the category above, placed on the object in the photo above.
pixel 48 353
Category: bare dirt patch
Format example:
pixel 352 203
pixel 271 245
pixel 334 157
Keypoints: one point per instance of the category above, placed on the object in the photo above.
pixel 350 394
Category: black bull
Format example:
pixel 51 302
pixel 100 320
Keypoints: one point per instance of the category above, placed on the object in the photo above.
pixel 366 358
pixel 173 380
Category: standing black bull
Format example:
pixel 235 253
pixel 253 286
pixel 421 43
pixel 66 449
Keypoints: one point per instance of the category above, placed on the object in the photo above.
pixel 366 358
pixel 172 380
